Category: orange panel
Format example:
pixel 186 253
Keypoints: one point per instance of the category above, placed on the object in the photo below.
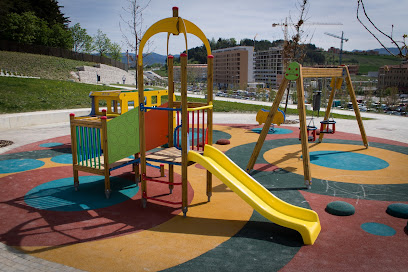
pixel 157 129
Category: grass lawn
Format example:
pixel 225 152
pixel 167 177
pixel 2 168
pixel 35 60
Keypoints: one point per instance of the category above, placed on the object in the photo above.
pixel 26 95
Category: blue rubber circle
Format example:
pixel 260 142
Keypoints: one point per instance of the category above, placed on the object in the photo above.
pixel 378 229
pixel 347 160
pixel 64 159
pixel 50 144
pixel 19 165
pixel 275 131
pixel 60 194
pixel 340 208
pixel 399 210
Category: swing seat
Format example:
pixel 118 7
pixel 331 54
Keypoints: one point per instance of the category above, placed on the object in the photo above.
pixel 328 126
pixel 311 133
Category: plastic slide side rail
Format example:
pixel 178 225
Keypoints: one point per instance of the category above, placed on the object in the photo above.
pixel 305 221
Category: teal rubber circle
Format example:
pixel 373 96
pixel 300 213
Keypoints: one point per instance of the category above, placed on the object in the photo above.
pixel 51 144
pixel 60 195
pixel 347 160
pixel 378 229
pixel 19 165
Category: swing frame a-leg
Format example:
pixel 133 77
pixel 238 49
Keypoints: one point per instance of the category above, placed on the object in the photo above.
pixel 297 72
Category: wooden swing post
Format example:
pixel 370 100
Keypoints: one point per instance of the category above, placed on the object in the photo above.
pixel 335 84
pixel 267 125
pixel 355 106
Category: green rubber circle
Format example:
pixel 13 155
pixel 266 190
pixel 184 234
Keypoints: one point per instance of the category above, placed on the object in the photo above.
pixel 340 208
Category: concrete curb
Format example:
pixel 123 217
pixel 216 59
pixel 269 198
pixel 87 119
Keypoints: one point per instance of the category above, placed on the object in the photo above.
pixel 20 120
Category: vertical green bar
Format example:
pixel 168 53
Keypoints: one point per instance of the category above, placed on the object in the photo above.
pixel 81 132
pixel 92 146
pixel 95 145
pixel 86 145
pixel 99 148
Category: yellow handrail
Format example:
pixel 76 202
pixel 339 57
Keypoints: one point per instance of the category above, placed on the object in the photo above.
pixel 210 106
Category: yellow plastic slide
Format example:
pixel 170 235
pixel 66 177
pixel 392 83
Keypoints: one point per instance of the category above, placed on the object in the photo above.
pixel 305 221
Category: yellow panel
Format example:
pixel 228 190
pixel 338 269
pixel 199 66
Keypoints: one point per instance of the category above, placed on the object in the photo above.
pixel 174 25
pixel 166 25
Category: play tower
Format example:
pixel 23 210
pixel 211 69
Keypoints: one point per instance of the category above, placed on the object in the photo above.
pixel 193 128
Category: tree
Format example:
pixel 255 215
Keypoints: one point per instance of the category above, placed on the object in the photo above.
pixel 135 25
pixel 27 28
pixel 22 28
pixel 48 10
pixel 82 42
pixel 401 45
pixel 114 52
pixel 295 49
pixel 102 43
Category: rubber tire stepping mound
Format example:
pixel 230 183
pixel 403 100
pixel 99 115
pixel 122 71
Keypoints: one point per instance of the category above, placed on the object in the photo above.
pixel 399 210
pixel 340 208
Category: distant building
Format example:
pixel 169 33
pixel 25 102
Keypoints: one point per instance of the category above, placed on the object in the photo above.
pixel 393 76
pixel 333 50
pixel 233 67
pixel 269 67
pixel 195 73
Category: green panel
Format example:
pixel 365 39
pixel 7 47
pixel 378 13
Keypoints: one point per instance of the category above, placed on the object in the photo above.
pixel 292 73
pixel 123 135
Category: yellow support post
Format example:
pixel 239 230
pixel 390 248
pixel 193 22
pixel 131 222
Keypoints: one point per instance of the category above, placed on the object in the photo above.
pixel 184 130
pixel 303 129
pixel 170 60
pixel 267 125
pixel 355 106
pixel 210 67
pixel 142 136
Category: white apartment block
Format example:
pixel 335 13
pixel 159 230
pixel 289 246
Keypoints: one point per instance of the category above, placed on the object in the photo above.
pixel 268 67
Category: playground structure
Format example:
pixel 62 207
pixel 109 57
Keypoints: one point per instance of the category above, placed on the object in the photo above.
pixel 305 221
pixel 121 101
pixel 100 145
pixel 296 72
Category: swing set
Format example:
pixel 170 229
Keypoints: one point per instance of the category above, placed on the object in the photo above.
pixel 295 72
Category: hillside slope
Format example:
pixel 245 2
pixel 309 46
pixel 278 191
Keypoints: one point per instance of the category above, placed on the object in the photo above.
pixel 42 66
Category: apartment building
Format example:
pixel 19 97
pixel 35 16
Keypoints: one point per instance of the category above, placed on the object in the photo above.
pixel 268 67
pixel 233 67
pixel 393 76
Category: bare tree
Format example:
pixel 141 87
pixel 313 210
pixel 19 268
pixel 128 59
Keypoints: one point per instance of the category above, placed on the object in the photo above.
pixel 295 48
pixel 401 45
pixel 135 25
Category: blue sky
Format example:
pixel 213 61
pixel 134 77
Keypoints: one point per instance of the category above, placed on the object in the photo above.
pixel 244 19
